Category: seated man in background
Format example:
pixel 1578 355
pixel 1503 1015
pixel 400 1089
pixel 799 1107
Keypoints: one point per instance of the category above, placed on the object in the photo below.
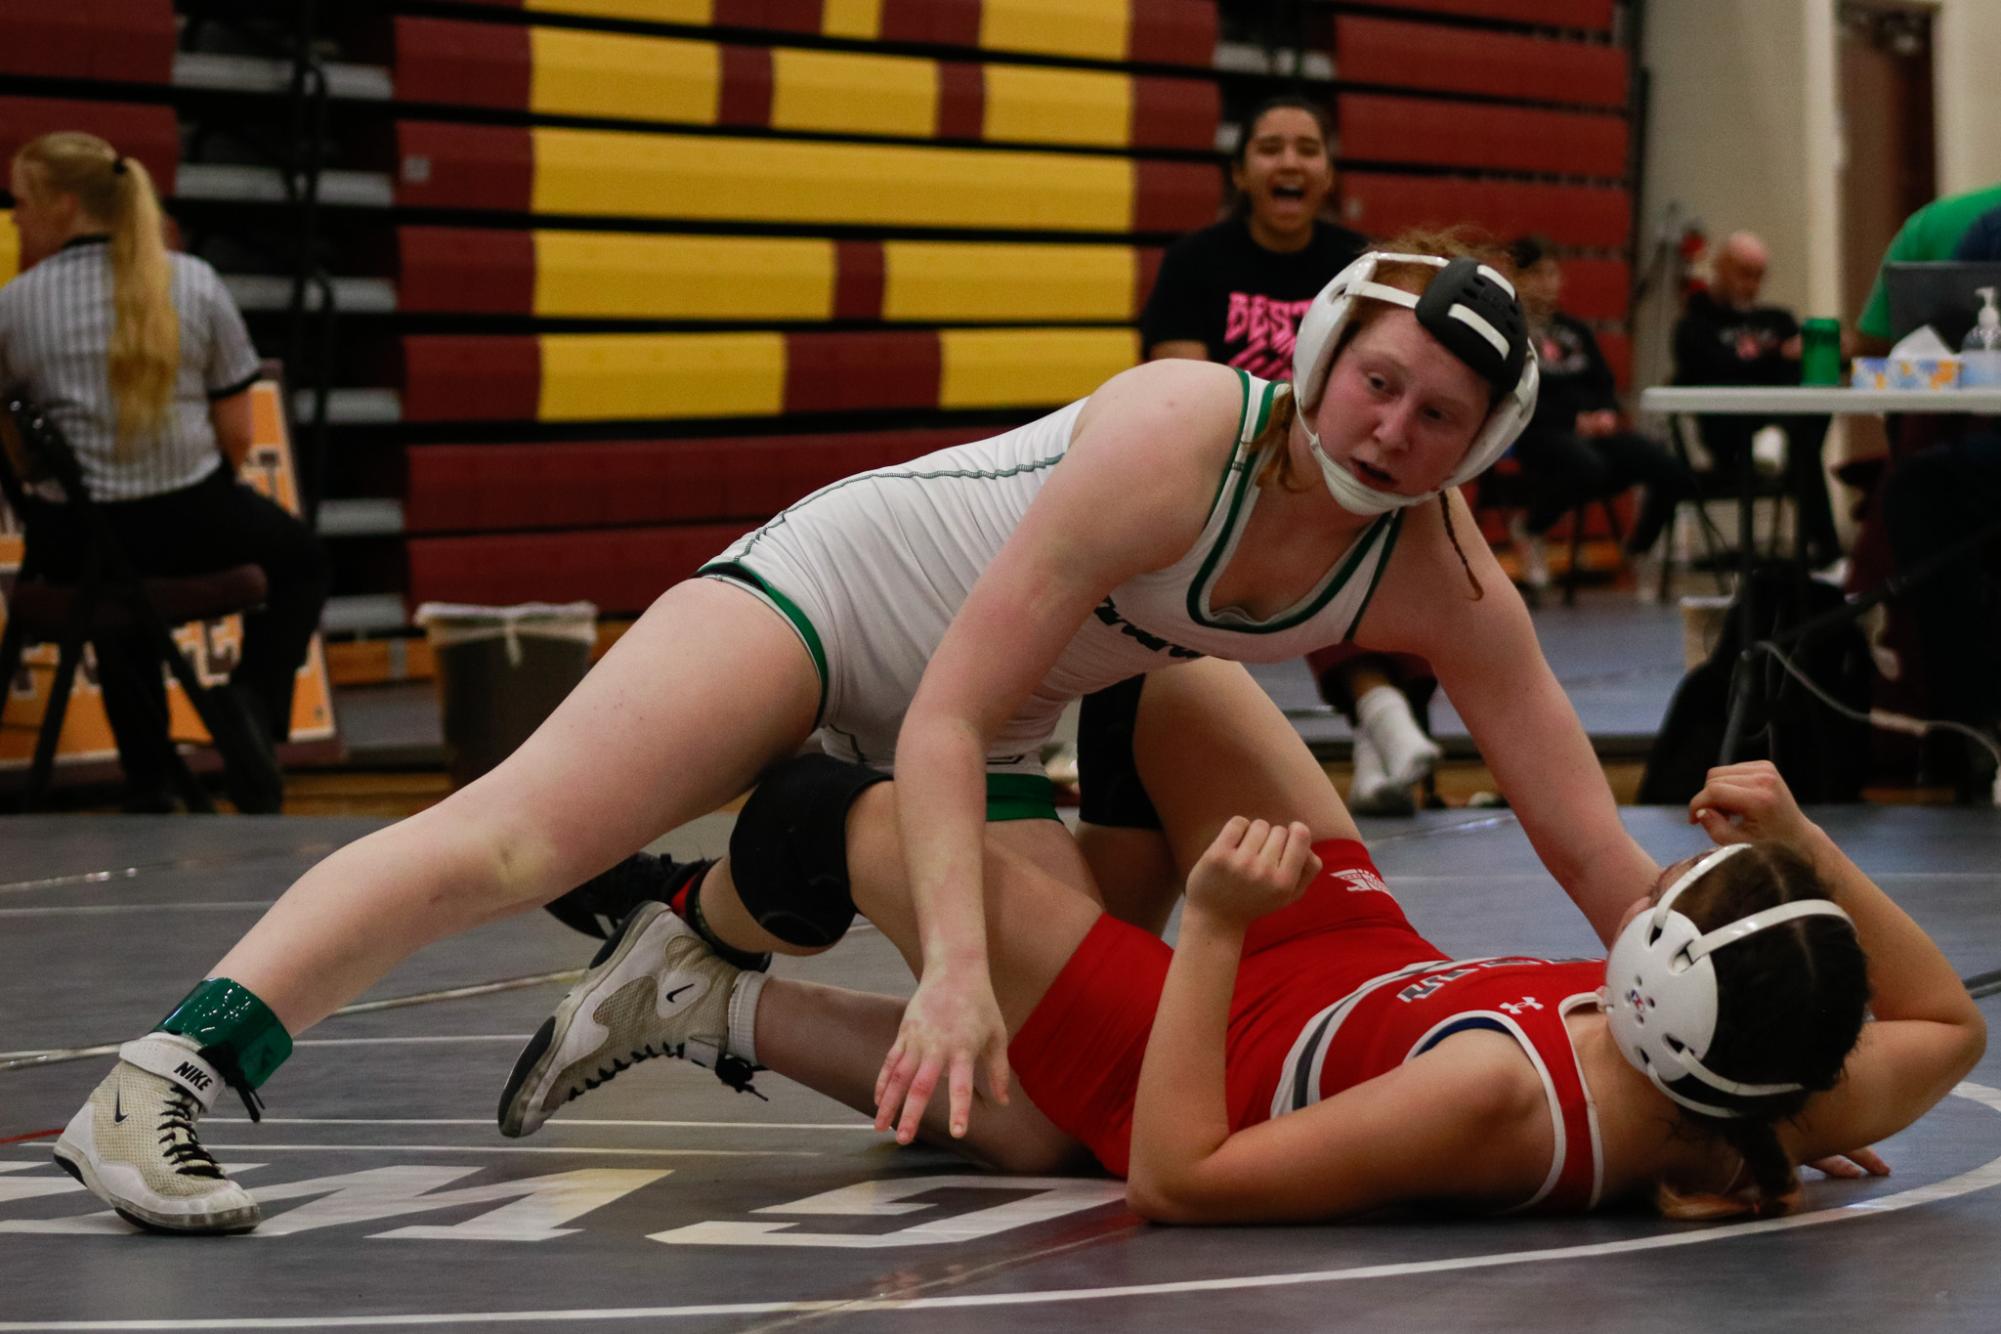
pixel 1576 448
pixel 1724 337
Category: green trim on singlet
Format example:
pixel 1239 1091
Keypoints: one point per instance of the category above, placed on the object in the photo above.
pixel 1265 398
pixel 1336 579
pixel 1020 797
pixel 1389 547
pixel 737 573
pixel 1246 432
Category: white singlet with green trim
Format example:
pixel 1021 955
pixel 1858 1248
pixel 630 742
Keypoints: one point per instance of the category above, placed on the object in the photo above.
pixel 871 570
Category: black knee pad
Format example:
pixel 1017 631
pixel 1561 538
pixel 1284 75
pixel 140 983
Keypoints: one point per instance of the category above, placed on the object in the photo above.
pixel 789 850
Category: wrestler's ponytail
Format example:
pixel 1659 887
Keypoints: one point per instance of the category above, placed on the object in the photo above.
pixel 143 357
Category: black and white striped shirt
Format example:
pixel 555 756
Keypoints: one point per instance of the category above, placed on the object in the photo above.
pixel 55 336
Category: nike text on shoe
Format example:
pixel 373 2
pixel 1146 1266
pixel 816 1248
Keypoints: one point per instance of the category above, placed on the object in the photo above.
pixel 133 1144
pixel 655 989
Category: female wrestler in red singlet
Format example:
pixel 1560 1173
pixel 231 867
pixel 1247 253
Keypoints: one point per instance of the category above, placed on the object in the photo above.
pixel 1304 1053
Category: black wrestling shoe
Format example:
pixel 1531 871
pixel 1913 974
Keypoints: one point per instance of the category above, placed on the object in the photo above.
pixel 597 906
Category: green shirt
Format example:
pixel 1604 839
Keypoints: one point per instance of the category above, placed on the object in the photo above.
pixel 1932 233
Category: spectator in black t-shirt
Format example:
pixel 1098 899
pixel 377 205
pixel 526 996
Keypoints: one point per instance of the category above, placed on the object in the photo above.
pixel 1234 292
pixel 1576 448
pixel 1724 337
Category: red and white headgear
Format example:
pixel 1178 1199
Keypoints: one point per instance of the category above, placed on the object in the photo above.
pixel 1472 310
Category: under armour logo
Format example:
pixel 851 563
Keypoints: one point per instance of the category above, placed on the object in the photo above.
pixel 1525 1003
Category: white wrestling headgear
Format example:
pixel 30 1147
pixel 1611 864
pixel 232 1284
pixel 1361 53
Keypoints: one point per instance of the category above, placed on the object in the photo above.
pixel 1660 988
pixel 1471 309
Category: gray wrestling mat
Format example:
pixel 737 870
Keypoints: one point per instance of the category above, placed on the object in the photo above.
pixel 667 1202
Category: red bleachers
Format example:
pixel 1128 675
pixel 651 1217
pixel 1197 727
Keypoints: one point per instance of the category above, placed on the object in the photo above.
pixel 149 133
pixel 473 488
pixel 1383 203
pixel 1159 32
pixel 1426 131
pixel 465 270
pixel 620 569
pixel 1437 58
pixel 1596 289
pixel 110 41
pixel 1594 15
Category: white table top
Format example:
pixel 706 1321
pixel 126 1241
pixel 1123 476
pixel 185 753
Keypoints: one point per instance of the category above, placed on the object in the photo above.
pixel 1724 400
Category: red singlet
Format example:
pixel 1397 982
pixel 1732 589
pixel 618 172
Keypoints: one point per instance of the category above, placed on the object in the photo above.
pixel 1332 991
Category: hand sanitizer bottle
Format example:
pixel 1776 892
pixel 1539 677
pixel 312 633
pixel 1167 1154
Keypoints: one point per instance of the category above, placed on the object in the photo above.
pixel 1980 354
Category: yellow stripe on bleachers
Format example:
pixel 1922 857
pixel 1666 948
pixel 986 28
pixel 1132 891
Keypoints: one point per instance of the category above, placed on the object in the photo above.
pixel 999 368
pixel 860 19
pixel 10 246
pixel 949 280
pixel 1095 29
pixel 638 78
pixel 1055 106
pixel 607 377
pixel 849 94
pixel 643 11
pixel 599 173
pixel 683 277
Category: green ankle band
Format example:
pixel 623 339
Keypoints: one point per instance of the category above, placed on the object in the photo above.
pixel 222 1013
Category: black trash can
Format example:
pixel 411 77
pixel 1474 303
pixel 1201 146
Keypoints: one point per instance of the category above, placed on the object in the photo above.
pixel 501 671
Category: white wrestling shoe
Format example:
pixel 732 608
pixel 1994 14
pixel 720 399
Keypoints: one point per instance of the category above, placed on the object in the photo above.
pixel 133 1145
pixel 655 989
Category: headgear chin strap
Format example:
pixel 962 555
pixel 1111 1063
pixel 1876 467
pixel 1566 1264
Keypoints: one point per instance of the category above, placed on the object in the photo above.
pixel 1660 988
pixel 1472 310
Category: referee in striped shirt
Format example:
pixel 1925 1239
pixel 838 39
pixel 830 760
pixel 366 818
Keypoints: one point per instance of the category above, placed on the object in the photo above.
pixel 140 357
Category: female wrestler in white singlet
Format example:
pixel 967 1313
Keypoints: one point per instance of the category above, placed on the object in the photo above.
pixel 1167 521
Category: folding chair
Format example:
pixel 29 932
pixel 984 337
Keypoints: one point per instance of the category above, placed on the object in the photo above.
pixel 109 596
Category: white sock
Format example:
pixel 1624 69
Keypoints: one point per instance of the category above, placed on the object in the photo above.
pixel 1407 753
pixel 742 1039
pixel 1369 775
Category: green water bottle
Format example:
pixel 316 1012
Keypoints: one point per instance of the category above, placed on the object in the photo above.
pixel 1820 352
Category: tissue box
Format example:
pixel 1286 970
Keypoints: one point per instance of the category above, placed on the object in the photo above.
pixel 1870 373
pixel 1923 372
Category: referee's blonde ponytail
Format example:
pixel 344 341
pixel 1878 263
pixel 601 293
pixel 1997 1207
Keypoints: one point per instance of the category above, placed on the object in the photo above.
pixel 117 192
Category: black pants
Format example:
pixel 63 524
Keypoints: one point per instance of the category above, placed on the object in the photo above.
pixel 1728 439
pixel 1935 498
pixel 1562 470
pixel 209 526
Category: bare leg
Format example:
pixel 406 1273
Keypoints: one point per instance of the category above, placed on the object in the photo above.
pixel 833 1041
pixel 1135 872
pixel 704 691
pixel 1210 744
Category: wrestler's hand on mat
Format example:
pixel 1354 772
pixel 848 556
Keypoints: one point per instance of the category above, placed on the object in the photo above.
pixel 1742 802
pixel 951 1026
pixel 1253 868
pixel 1851 1165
